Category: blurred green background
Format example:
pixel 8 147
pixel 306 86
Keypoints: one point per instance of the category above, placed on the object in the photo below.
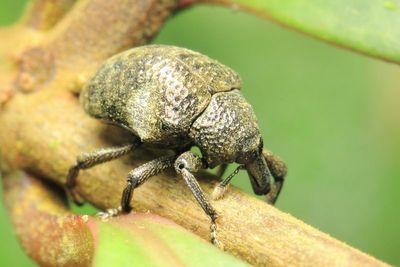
pixel 331 114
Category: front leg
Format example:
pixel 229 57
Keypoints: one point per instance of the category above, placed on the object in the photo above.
pixel 221 188
pixel 275 166
pixel 221 170
pixel 185 165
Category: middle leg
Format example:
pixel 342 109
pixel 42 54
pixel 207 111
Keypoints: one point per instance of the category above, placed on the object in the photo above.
pixel 136 178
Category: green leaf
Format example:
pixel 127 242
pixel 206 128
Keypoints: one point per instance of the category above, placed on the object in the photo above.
pixel 367 26
pixel 149 240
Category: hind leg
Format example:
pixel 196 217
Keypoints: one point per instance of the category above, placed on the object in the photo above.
pixel 88 160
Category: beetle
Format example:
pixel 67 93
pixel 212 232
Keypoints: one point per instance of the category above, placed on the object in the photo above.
pixel 174 98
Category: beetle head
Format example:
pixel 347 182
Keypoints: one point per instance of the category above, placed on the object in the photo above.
pixel 254 162
pixel 227 131
pixel 259 174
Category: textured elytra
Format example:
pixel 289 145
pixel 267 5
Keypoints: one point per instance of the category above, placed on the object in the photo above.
pixel 157 91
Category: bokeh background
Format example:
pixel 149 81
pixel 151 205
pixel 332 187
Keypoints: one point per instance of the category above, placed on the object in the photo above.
pixel 331 114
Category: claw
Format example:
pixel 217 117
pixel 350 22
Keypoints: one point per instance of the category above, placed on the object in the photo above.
pixel 78 200
pixel 219 192
pixel 214 239
pixel 71 183
pixel 109 213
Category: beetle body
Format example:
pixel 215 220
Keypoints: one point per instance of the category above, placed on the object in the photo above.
pixel 175 98
pixel 157 92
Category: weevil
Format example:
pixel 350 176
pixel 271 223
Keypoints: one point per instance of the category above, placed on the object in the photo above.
pixel 174 98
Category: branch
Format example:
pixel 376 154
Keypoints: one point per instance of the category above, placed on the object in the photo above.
pixel 50 130
pixel 44 224
pixel 53 236
pixel 90 32
pixel 44 14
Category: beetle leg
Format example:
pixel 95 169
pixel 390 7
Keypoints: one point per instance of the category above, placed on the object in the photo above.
pixel 221 170
pixel 139 175
pixel 109 213
pixel 88 160
pixel 278 170
pixel 136 178
pixel 220 189
pixel 185 165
